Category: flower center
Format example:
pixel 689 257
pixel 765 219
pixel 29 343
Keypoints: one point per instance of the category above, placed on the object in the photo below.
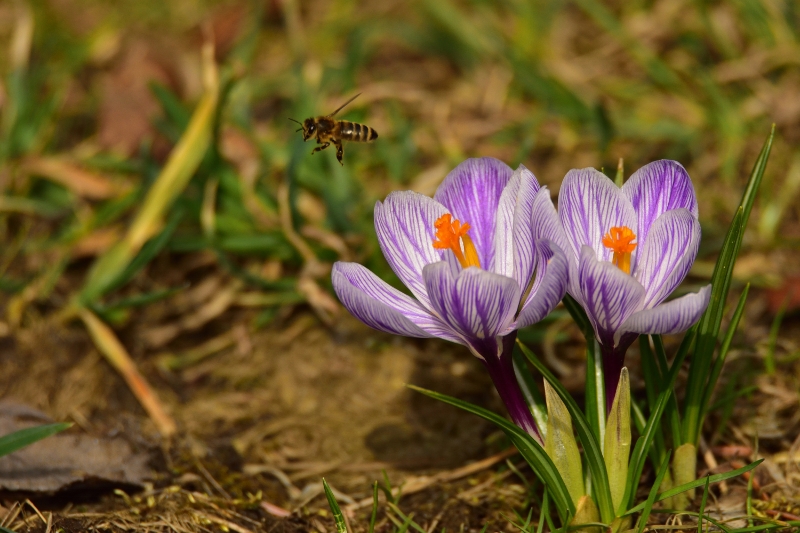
pixel 451 235
pixel 619 239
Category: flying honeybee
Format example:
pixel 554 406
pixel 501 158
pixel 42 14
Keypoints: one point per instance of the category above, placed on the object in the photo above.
pixel 327 130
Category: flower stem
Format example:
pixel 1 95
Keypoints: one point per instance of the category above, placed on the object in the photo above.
pixel 501 370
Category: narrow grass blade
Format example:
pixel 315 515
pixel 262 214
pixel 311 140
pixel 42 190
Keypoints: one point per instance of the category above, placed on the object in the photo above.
pixel 642 446
pixel 651 498
pixel 709 325
pixel 591 446
pixel 716 478
pixel 702 508
pixel 338 517
pixel 533 453
pixel 24 437
pixel 672 412
pixel 374 515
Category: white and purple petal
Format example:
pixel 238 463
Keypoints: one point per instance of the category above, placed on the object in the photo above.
pixel 475 303
pixel 671 317
pixel 545 224
pixel 549 285
pixel 471 192
pixel 609 295
pixel 667 254
pixel 352 276
pixel 589 205
pixel 374 313
pixel 656 188
pixel 404 223
pixel 513 238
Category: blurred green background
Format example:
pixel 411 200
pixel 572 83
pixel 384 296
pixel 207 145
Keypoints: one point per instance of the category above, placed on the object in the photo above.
pixel 95 95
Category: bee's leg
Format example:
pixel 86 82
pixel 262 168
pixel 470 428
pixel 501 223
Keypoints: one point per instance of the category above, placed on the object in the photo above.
pixel 318 148
pixel 339 151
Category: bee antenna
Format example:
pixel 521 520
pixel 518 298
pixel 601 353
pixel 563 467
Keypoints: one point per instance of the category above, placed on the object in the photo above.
pixel 293 120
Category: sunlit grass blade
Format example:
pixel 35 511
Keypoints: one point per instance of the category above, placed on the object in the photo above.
pixel 651 498
pixel 24 437
pixel 709 325
pixel 531 450
pixel 178 170
pixel 408 521
pixel 338 517
pixel 591 446
pixel 716 478
pixel 642 447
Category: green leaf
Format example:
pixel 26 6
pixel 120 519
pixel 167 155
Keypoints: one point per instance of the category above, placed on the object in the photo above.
pixel 531 450
pixel 651 498
pixel 617 442
pixel 338 517
pixel 24 437
pixel 591 446
pixel 716 478
pixel 561 446
pixel 709 325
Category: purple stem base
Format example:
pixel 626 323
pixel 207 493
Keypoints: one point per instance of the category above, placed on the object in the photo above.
pixel 501 370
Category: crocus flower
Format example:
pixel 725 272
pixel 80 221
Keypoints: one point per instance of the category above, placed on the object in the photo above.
pixel 628 249
pixel 478 260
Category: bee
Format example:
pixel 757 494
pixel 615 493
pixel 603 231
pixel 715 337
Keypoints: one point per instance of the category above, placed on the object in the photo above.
pixel 327 131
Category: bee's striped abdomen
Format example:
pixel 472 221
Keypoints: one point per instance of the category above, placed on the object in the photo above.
pixel 353 131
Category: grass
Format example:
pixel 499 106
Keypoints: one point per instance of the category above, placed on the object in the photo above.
pixel 131 150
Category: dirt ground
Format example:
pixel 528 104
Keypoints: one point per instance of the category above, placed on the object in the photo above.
pixel 263 417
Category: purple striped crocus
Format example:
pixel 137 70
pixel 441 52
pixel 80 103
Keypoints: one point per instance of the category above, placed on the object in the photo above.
pixel 628 249
pixel 479 261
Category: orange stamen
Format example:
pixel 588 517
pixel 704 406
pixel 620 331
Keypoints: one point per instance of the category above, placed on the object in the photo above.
pixel 450 235
pixel 620 240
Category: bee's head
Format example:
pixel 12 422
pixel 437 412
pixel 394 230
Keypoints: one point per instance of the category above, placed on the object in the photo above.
pixel 309 128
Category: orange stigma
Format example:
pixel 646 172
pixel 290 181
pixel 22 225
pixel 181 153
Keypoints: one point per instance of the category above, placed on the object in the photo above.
pixel 450 235
pixel 619 239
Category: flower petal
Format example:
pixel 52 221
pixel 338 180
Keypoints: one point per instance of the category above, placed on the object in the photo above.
pixel 667 254
pixel 475 303
pixel 471 192
pixel 657 188
pixel 374 313
pixel 358 277
pixel 609 295
pixel 404 223
pixel 546 224
pixel 552 273
pixel 513 238
pixel 672 317
pixel 589 205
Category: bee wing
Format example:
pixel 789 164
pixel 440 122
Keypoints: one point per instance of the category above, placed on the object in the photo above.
pixel 343 105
